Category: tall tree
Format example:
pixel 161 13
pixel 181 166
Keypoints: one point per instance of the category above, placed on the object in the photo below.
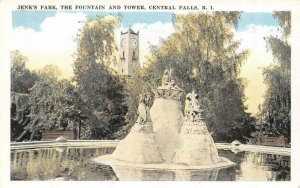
pixel 204 56
pixel 22 79
pixel 276 109
pixel 99 88
pixel 47 101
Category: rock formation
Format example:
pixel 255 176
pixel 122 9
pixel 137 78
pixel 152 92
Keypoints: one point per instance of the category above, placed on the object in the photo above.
pixel 167 117
pixel 162 138
pixel 197 146
pixel 139 145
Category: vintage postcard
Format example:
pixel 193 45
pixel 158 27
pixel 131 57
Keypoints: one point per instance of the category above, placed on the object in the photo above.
pixel 177 93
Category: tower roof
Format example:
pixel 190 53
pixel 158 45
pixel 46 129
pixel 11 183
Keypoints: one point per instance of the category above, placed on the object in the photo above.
pixel 129 30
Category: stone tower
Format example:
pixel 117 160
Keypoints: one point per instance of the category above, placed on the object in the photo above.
pixel 129 53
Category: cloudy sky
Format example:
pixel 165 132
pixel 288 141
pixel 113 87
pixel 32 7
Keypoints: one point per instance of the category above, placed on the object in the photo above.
pixel 48 38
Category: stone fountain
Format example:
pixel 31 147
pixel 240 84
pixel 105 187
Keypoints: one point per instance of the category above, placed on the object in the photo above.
pixel 162 138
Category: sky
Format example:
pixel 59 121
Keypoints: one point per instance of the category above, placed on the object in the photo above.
pixel 47 37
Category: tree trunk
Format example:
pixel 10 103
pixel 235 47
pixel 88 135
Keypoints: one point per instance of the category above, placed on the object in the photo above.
pixel 79 130
pixel 22 135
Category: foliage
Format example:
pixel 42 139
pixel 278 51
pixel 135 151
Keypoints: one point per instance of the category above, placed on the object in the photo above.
pixel 19 111
pixel 39 101
pixel 96 84
pixel 93 102
pixel 21 78
pixel 204 56
pixel 284 20
pixel 47 103
pixel 276 109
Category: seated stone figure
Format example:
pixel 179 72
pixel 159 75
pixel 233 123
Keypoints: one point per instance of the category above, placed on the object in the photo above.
pixel 167 82
pixel 172 85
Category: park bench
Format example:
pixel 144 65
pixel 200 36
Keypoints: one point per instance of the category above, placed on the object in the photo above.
pixel 272 141
pixel 52 135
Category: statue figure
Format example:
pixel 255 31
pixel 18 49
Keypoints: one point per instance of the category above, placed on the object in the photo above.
pixel 165 79
pixel 167 82
pixel 172 85
pixel 195 102
pixel 188 105
pixel 143 109
pixel 192 107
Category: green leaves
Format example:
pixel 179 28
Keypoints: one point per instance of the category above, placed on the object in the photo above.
pixel 40 105
pixel 276 109
pixel 97 41
pixel 284 20
pixel 101 91
pixel 94 100
pixel 21 78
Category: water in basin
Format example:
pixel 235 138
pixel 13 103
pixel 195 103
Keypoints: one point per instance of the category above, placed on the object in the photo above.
pixel 73 163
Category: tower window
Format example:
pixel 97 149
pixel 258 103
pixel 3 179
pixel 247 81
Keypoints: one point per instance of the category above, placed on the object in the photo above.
pixel 133 55
pixel 123 55
pixel 122 70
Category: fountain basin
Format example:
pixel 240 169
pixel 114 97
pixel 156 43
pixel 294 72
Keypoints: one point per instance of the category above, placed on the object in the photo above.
pixel 75 160
pixel 109 160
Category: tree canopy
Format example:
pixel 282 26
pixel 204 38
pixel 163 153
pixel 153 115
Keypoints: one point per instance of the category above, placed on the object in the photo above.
pixel 44 107
pixel 21 78
pixel 276 109
pixel 97 85
pixel 204 56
